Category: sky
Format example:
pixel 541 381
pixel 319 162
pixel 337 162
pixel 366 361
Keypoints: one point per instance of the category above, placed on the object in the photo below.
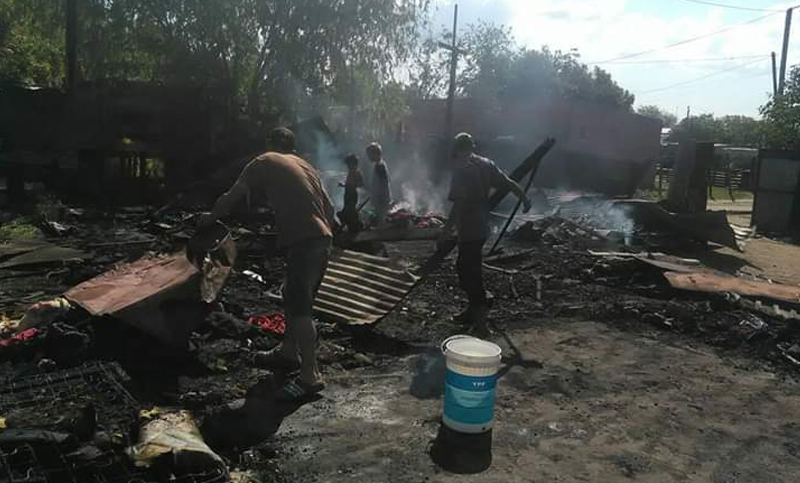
pixel 603 30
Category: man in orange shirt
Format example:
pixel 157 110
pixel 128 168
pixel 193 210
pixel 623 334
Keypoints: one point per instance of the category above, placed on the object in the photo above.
pixel 305 219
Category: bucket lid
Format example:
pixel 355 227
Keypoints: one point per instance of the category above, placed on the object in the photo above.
pixel 473 348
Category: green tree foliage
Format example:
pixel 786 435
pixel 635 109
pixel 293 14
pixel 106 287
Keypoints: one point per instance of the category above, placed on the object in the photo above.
pixel 495 67
pixel 490 60
pixel 656 112
pixel 429 69
pixel 703 128
pixel 741 131
pixel 263 54
pixel 548 72
pixel 737 130
pixel 31 41
pixel 781 125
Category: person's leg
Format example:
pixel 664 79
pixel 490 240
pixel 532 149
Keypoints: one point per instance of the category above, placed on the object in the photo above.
pixel 470 272
pixel 310 262
pixel 461 270
pixel 286 353
pixel 307 343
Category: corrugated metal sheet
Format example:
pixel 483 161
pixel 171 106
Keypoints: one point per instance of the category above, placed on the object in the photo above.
pixel 361 289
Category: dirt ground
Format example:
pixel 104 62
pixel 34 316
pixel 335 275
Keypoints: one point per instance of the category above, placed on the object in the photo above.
pixel 606 406
pixel 775 259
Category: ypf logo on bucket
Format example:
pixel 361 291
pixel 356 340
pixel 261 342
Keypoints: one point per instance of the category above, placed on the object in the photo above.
pixel 468 399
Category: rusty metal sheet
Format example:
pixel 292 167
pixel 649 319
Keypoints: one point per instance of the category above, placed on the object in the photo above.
pixel 47 254
pixel 360 289
pixel 132 283
pixel 670 266
pixel 18 247
pixel 706 282
pixel 658 260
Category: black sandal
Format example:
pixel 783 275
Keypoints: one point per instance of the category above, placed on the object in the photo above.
pixel 273 359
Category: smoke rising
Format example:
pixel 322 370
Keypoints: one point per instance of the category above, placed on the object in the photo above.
pixel 414 178
pixel 595 211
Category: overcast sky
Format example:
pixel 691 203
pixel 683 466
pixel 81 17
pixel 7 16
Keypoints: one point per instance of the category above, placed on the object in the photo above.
pixel 607 29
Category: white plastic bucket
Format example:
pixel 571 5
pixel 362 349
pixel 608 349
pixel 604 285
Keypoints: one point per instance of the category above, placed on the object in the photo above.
pixel 470 382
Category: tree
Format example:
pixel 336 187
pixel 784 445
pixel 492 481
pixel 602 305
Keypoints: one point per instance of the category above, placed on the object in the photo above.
pixel 429 67
pixel 491 54
pixel 703 127
pixel 31 42
pixel 495 68
pixel 265 55
pixel 781 125
pixel 741 131
pixel 736 130
pixel 667 118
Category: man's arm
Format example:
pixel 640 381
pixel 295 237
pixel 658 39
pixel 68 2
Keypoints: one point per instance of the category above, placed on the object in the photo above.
pixel 500 180
pixel 512 186
pixel 228 200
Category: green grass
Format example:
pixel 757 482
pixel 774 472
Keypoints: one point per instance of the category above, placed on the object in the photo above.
pixel 722 194
pixel 717 194
pixel 19 229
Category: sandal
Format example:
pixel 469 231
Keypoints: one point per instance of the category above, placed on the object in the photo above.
pixel 273 359
pixel 296 390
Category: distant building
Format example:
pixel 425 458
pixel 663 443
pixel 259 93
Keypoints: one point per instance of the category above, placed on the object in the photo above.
pixel 597 148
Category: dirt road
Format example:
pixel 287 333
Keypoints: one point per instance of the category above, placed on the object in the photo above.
pixel 607 406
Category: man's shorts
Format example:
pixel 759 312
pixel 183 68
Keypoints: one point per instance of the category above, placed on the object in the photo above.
pixel 306 263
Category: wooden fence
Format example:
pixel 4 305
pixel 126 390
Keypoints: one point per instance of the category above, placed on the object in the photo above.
pixel 731 179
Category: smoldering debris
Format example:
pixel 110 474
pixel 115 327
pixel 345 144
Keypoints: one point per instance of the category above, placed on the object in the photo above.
pixel 573 263
pixel 639 221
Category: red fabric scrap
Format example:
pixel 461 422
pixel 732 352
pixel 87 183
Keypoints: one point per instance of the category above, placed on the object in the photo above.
pixel 19 337
pixel 275 323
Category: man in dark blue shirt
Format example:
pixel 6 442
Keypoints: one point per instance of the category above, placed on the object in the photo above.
pixel 473 178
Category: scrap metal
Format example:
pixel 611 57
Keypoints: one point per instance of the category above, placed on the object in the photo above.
pixel 44 254
pixel 707 282
pixel 134 292
pixel 360 289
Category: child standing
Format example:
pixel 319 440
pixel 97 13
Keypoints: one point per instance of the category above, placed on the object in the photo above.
pixel 349 214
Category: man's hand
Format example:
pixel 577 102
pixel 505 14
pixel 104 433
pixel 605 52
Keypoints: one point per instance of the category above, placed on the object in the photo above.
pixel 206 219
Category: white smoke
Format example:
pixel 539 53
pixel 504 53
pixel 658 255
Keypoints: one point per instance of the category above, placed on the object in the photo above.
pixel 414 177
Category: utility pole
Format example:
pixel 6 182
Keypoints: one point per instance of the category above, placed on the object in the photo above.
pixel 451 93
pixel 774 77
pixel 352 120
pixel 786 31
pixel 71 43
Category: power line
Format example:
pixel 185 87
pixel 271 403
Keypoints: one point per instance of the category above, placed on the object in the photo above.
pixel 692 81
pixel 675 61
pixel 686 41
pixel 733 7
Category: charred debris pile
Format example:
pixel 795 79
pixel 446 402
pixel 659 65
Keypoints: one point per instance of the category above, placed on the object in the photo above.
pixel 126 337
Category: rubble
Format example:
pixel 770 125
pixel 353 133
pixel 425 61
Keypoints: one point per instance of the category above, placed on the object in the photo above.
pixel 173 434
pixel 705 282
pixel 44 313
pixel 46 254
pixel 562 265
pixel 155 294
